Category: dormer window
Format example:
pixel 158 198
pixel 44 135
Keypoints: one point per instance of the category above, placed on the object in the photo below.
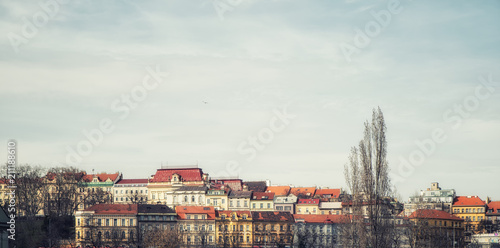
pixel 176 178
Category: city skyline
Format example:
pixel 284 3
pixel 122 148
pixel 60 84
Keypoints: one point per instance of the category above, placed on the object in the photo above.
pixel 259 90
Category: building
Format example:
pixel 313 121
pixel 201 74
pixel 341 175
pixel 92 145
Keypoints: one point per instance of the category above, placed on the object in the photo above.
pixel 285 203
pixel 111 225
pixel 303 193
pixel 330 208
pixel 262 201
pixel 435 228
pixel 239 200
pixel 257 186
pixel 471 209
pixel 129 191
pixel 329 195
pixel 493 216
pixel 487 240
pixel 153 216
pixel 307 206
pixel 432 198
pixel 97 189
pixel 217 196
pixel 178 186
pixel 278 190
pixel 272 229
pixel 317 230
pixel 234 228
pixel 197 225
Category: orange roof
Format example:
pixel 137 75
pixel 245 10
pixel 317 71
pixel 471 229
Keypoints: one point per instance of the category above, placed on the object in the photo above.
pixel 332 193
pixel 102 177
pixel 468 201
pixel 183 210
pixel 495 206
pixel 278 190
pixel 307 191
pixel 318 218
pixel 433 214
pixel 114 209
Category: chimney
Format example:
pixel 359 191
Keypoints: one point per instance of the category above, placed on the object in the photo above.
pixel 245 187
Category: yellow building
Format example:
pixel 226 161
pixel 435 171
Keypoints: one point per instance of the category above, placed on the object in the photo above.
pixel 307 206
pixel 234 228
pixel 217 197
pixel 112 225
pixel 262 201
pixel 471 209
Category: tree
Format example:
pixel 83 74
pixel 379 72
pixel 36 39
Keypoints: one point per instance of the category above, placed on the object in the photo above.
pixel 368 180
pixel 30 191
pixel 161 238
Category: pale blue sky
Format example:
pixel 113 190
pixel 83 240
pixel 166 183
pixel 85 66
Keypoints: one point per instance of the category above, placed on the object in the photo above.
pixel 254 59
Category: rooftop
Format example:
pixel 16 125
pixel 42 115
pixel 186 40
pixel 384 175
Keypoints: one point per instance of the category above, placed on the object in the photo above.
pixel 154 208
pixel 258 186
pixel 433 214
pixel 262 196
pixel 114 209
pixel 278 190
pixel 186 175
pixel 468 201
pixel 182 211
pixel 272 216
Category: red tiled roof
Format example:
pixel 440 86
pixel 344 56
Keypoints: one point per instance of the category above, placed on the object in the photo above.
pixel 323 192
pixel 102 177
pixel 317 218
pixel 308 191
pixel 133 181
pixel 187 174
pixel 114 209
pixel 308 201
pixel 183 210
pixel 468 201
pixel 432 214
pixel 272 216
pixel 262 196
pixel 495 206
pixel 278 190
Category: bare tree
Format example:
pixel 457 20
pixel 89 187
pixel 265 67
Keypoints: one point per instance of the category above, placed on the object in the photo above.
pixel 161 238
pixel 30 191
pixel 368 179
pixel 64 185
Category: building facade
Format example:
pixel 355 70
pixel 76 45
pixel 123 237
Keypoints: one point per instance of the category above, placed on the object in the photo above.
pixel 234 228
pixel 129 191
pixel 113 225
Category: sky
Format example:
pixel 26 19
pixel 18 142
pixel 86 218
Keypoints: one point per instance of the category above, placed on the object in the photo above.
pixel 255 89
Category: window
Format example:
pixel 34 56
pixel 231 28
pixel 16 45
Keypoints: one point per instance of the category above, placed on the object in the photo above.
pixel 269 205
pixel 248 239
pixel 192 198
pixel 262 205
pixel 107 222
pixel 210 227
pixel 223 200
pixel 245 203
pixel 253 205
pixel 238 203
pixel 99 222
pixel 185 198
pixel 288 208
pixel 115 222
pixel 248 227
pixel 123 222
pixel 241 228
